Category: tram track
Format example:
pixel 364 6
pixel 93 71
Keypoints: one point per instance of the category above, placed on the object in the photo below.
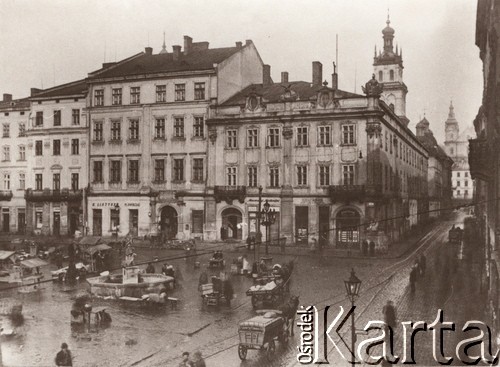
pixel 377 284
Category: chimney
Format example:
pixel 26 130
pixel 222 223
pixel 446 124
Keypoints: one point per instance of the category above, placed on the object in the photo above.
pixel 7 97
pixel 248 42
pixel 266 75
pixel 239 45
pixel 284 76
pixel 148 50
pixel 177 52
pixel 34 91
pixel 335 78
pixel 188 42
pixel 317 73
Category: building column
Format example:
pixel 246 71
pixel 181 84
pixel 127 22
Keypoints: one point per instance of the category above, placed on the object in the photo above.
pixel 46 220
pixel 287 190
pixel 30 218
pixel 210 228
pixel 373 166
pixel 64 218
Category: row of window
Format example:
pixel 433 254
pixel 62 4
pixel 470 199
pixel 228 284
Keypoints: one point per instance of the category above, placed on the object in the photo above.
pixel 466 183
pixel 324 175
pixel 56 147
pixel 20 112
pixel 348 136
pixel 402 151
pixel 466 174
pixel 7 181
pixel 466 192
pixel 381 75
pixel 56 116
pixel 161 94
pixel 6 130
pixel 178 171
pixel 56 181
pixel 159 129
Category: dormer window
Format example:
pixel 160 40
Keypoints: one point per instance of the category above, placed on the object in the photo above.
pixel 253 103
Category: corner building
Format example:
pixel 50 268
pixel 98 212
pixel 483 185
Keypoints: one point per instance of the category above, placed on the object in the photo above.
pixel 338 167
pixel 148 138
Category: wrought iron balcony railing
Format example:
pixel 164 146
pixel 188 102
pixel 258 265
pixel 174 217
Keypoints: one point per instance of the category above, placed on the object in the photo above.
pixel 53 195
pixel 230 193
pixel 5 195
pixel 480 155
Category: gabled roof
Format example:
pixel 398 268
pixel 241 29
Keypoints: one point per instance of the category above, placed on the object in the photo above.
pixel 144 63
pixel 273 92
pixel 78 87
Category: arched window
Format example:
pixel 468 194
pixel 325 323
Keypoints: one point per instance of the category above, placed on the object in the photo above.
pixel 380 76
pixel 391 75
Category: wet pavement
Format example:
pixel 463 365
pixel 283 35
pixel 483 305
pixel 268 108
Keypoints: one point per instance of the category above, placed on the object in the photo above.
pixel 148 336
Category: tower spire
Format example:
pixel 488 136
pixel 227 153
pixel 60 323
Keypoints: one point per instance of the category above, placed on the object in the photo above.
pixel 451 114
pixel 164 47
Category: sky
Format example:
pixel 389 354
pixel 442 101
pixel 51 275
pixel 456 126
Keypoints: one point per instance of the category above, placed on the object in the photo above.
pixel 51 42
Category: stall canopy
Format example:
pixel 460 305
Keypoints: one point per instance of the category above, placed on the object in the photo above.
pixel 90 241
pixel 33 263
pixel 102 247
pixel 4 255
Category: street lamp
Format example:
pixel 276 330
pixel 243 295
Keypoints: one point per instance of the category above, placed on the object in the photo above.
pixel 352 286
pixel 269 219
pixel 258 235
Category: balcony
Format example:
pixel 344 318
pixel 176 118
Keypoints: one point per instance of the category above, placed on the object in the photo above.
pixel 480 155
pixel 5 195
pixel 230 193
pixel 53 195
pixel 347 193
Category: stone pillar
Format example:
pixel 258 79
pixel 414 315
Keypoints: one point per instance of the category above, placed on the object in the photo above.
pixel 46 220
pixel 30 217
pixel 373 166
pixel 287 212
pixel 210 231
pixel 64 218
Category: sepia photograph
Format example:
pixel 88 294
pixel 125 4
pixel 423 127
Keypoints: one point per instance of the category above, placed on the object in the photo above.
pixel 249 184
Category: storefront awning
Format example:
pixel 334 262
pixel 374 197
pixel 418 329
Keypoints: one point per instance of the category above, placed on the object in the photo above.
pixel 33 263
pixel 5 254
pixel 93 249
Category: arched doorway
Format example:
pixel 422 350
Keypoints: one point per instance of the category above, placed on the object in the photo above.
pixel 347 225
pixel 168 223
pixel 231 224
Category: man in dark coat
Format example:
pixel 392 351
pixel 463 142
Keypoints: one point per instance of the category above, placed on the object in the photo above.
pixel 63 358
pixel 413 278
pixel 150 269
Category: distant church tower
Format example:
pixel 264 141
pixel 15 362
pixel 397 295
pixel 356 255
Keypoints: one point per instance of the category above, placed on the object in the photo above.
pixel 388 69
pixel 451 131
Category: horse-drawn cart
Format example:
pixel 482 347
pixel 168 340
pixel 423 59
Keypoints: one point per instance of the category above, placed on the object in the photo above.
pixel 260 332
pixel 217 291
pixel 269 294
pixel 455 235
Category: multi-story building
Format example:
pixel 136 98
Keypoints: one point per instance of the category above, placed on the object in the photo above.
pixel 148 140
pixel 57 157
pixel 484 153
pixel 439 171
pixel 456 146
pixel 327 160
pixel 14 118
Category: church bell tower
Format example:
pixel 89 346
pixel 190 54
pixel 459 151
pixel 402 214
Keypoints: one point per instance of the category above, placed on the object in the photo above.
pixel 388 69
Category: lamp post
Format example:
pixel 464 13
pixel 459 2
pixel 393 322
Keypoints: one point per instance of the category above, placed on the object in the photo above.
pixel 269 218
pixel 258 235
pixel 352 286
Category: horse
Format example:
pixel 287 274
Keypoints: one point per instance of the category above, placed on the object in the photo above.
pixel 289 310
pixel 287 270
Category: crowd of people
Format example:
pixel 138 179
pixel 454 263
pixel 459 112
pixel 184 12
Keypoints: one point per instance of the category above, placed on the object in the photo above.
pixel 197 360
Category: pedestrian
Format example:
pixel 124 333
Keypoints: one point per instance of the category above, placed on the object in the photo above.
pixel 63 357
pixel 186 361
pixel 198 360
pixel 150 269
pixel 390 319
pixel 413 279
pixel 423 264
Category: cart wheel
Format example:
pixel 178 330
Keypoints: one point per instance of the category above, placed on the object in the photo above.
pixel 242 352
pixel 271 348
pixel 283 338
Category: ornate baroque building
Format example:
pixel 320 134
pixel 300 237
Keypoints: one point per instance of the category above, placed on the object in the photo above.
pixel 328 161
